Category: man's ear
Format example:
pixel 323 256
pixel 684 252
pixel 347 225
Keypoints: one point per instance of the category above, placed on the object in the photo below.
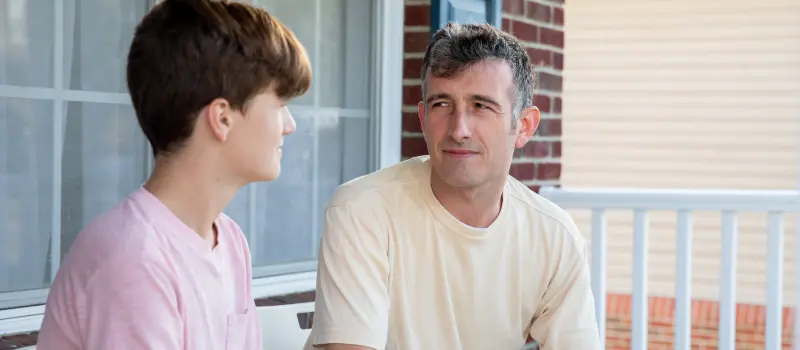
pixel 421 115
pixel 217 115
pixel 528 123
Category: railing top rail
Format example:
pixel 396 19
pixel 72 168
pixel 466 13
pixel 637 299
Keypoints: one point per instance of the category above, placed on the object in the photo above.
pixel 675 199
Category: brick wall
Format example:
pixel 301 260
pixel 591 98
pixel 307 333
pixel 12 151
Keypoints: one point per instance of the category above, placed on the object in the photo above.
pixel 750 324
pixel 539 24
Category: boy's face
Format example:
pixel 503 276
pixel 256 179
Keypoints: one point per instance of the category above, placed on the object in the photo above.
pixel 252 149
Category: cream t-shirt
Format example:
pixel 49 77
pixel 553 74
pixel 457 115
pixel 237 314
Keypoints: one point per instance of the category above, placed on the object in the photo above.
pixel 398 272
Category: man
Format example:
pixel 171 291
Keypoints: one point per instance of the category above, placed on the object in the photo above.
pixel 164 269
pixel 447 251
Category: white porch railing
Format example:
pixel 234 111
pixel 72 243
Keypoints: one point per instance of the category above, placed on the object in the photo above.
pixel 683 202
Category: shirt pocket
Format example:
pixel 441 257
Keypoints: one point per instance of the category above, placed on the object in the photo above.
pixel 238 334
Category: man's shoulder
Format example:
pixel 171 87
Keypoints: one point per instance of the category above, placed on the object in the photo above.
pixel 542 212
pixel 372 189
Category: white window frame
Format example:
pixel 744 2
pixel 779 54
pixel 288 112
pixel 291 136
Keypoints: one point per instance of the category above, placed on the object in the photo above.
pixel 386 104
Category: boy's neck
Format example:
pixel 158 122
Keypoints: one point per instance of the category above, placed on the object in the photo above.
pixel 193 190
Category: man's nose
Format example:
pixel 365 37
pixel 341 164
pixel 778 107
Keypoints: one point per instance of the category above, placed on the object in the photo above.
pixel 460 128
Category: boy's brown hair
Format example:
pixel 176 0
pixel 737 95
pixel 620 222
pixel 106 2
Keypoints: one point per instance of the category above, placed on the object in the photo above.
pixel 186 53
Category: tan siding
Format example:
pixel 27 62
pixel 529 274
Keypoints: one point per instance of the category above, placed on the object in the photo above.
pixel 683 94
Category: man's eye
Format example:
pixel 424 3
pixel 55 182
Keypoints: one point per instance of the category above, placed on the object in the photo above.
pixel 439 104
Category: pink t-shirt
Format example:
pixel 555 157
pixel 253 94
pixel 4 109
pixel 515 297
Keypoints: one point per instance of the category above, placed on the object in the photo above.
pixel 138 278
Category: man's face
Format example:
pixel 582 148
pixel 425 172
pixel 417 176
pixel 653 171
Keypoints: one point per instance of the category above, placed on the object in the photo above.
pixel 254 147
pixel 467 123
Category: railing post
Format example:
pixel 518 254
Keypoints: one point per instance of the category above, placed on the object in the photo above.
pixel 599 271
pixel 683 282
pixel 640 297
pixel 727 288
pixel 774 281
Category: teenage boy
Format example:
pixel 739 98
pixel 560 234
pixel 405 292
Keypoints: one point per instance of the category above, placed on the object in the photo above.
pixel 165 269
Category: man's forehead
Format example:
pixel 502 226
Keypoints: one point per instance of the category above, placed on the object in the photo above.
pixel 488 78
pixel 489 72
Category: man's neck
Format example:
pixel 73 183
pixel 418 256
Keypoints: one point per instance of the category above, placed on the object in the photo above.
pixel 476 207
pixel 194 191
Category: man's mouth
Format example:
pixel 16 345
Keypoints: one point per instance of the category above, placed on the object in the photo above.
pixel 459 153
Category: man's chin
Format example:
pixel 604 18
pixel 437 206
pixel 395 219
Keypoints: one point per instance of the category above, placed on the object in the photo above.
pixel 457 178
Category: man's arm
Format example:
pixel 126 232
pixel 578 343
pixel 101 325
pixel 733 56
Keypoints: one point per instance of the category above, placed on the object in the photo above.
pixel 352 304
pixel 566 317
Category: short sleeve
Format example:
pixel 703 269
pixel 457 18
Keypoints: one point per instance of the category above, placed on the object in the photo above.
pixel 135 307
pixel 566 318
pixel 352 304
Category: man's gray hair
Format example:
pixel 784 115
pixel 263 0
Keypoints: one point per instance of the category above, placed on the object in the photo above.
pixel 458 46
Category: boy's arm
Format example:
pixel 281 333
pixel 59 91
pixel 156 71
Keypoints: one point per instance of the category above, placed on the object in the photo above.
pixel 130 306
pixel 352 303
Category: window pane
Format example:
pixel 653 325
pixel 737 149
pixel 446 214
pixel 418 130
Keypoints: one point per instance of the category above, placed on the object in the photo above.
pixel 342 55
pixel 104 161
pixel 26 192
pixel 345 156
pixel 344 71
pixel 288 211
pixel 97 36
pixel 299 16
pixel 26 42
pixel 284 207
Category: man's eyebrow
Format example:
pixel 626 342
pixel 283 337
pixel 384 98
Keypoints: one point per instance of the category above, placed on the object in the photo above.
pixel 485 99
pixel 438 97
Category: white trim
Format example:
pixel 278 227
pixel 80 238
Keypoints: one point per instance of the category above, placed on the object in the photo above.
pixel 387 80
pixel 58 141
pixel 675 199
pixel 21 320
pixel 39 93
pixel 282 285
pixel 23 324
pixel 22 298
pixel 284 269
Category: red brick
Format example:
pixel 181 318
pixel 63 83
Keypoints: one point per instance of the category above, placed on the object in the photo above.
pixel 514 7
pixel 523 171
pixel 524 31
pixel 506 25
pixel 418 15
pixel 558 61
pixel 557 105
pixel 411 122
pixel 540 57
pixel 539 12
pixel 543 102
pixel 535 188
pixel 412 95
pixel 551 37
pixel 555 149
pixel 549 127
pixel 558 16
pixel 704 324
pixel 413 147
pixel 548 171
pixel 412 68
pixel 416 41
pixel 537 149
pixel 550 82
